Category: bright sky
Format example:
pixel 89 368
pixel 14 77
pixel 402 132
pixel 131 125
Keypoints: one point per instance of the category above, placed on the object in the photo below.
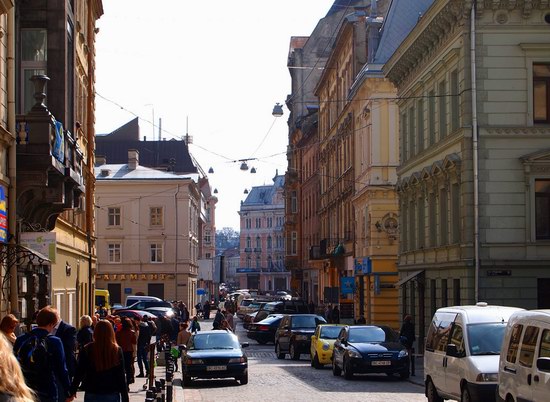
pixel 220 65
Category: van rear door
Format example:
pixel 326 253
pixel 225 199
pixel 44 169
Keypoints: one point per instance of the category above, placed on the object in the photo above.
pixel 541 378
pixel 435 358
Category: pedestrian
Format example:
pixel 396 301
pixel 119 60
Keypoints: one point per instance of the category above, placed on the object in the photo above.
pixel 195 325
pixel 218 319
pixel 85 333
pixel 143 343
pixel 230 320
pixel 335 316
pixel 12 382
pixel 67 333
pixel 126 339
pixel 7 327
pixel 151 324
pixel 407 337
pixel 206 309
pixel 100 369
pixel 42 358
pixel 328 313
pixel 198 308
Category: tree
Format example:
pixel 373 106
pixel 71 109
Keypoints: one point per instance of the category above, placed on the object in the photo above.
pixel 226 238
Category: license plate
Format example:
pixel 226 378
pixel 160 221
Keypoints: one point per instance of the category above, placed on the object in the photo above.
pixel 381 363
pixel 216 368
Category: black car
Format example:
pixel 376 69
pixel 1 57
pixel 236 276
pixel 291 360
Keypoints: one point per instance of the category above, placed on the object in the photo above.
pixel 264 331
pixel 369 349
pixel 293 336
pixel 295 306
pixel 214 354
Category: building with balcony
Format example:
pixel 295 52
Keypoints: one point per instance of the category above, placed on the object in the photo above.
pixel 53 46
pixel 148 231
pixel 262 245
pixel 472 80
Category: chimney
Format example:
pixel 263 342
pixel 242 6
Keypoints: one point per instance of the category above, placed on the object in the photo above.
pixel 100 160
pixel 133 159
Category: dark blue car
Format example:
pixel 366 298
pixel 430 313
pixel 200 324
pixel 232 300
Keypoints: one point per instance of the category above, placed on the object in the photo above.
pixel 369 349
pixel 214 354
pixel 264 331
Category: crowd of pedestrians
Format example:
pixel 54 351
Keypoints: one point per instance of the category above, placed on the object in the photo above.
pixel 55 360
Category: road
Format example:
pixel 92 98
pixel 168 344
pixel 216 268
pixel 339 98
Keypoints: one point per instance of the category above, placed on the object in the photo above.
pixel 286 380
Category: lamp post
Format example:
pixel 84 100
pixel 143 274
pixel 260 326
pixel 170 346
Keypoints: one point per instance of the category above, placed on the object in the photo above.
pixel 152 121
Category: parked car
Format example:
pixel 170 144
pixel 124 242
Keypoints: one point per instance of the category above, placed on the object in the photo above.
pixel 297 306
pixel 249 319
pixel 369 349
pixel 249 306
pixel 461 356
pixel 132 299
pixel 214 354
pixel 161 311
pixel 283 295
pixel 322 344
pixel 145 304
pixel 293 335
pixel 524 368
pixel 264 331
pixel 134 314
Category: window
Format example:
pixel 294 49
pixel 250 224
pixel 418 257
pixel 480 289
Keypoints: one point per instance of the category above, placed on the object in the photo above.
pixel 207 237
pixel 455 101
pixel 114 216
pixel 248 242
pixel 294 243
pixel 412 133
pixel 442 110
pixel 456 292
pixel 404 224
pixel 258 243
pixel 444 297
pixel 443 216
pixel 248 262
pixel 34 57
pixel 421 223
pixel 155 216
pixel 541 93
pixel 269 242
pixel 412 226
pixel 527 352
pixel 420 125
pixel 457 338
pixel 405 148
pixel 248 223
pixel 115 256
pixel 258 223
pixel 258 262
pixel 156 252
pixel 542 209
pixel 269 222
pixel 431 117
pixel 544 350
pixel 455 212
pixel 293 202
pixel 432 218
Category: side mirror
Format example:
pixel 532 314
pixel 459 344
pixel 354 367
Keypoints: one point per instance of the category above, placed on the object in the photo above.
pixel 543 364
pixel 452 350
pixel 245 345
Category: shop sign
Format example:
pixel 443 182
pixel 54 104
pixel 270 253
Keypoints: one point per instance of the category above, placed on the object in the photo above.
pixel 347 284
pixel 134 277
pixel 43 242
pixel 363 266
pixel 3 216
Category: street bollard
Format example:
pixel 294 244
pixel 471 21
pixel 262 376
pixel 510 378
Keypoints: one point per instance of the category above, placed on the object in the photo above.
pixel 150 396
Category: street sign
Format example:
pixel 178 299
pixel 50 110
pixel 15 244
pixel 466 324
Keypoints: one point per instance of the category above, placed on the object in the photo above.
pixel 201 291
pixel 347 284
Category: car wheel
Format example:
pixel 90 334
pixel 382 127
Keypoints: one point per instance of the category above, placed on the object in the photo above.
pixel 336 371
pixel 510 398
pixel 294 354
pixel 316 363
pixel 187 380
pixel 431 392
pixel 465 394
pixel 243 380
pixel 348 372
pixel 280 355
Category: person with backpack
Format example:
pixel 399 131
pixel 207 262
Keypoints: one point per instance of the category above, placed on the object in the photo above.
pixel 100 368
pixel 67 333
pixel 12 382
pixel 42 358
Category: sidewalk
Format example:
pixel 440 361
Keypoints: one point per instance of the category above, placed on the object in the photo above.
pixel 418 377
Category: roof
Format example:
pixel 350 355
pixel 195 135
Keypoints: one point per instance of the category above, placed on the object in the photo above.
pixel 481 313
pixel 111 172
pixel 264 195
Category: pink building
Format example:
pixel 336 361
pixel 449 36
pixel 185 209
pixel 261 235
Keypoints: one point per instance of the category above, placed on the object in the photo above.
pixel 262 245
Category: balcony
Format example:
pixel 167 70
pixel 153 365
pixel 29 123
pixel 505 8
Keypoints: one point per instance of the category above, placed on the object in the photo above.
pixel 257 249
pixel 49 165
pixel 248 249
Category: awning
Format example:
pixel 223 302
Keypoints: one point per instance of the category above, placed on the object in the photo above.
pixel 33 253
pixel 412 275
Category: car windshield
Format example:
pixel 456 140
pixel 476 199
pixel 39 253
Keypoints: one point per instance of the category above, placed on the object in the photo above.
pixel 368 334
pixel 306 321
pixel 218 340
pixel 330 332
pixel 485 339
pixel 269 307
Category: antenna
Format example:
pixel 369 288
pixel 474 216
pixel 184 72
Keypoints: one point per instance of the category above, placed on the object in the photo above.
pixel 188 139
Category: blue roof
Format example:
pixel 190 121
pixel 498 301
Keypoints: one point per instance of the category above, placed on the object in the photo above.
pixel 264 195
pixel 122 172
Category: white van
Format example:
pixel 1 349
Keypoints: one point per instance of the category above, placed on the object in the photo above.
pixel 134 299
pixel 462 352
pixel 524 370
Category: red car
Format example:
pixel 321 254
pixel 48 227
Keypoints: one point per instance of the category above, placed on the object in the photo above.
pixel 135 314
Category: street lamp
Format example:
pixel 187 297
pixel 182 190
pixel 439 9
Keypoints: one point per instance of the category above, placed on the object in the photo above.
pixel 277 110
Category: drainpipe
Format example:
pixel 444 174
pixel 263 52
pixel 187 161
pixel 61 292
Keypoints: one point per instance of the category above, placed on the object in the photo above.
pixel 475 147
pixel 12 160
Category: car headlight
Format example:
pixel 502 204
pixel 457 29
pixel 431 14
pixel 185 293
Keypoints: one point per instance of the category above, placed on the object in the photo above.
pixel 190 361
pixel 238 360
pixel 301 337
pixel 354 354
pixel 487 377
pixel 325 346
pixel 403 353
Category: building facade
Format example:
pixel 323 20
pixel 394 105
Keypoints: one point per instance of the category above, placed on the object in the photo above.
pixel 262 242
pixel 473 180
pixel 148 231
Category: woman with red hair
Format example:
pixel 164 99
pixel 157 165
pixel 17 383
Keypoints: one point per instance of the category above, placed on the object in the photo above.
pixel 100 368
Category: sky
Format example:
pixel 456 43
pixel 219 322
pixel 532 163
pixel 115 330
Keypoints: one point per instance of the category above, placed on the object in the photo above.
pixel 212 69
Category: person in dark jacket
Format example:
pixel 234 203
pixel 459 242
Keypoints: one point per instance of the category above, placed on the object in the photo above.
pixel 45 384
pixel 100 368
pixel 67 333
pixel 85 334
pixel 143 342
pixel 335 315
pixel 407 338
pixel 127 339
pixel 206 310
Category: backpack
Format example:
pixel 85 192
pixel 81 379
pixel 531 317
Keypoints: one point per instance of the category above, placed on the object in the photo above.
pixel 34 358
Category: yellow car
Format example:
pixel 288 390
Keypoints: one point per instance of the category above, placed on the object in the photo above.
pixel 322 343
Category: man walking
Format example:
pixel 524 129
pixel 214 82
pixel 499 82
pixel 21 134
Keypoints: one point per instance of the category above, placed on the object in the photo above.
pixel 42 358
pixel 67 333
pixel 143 342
